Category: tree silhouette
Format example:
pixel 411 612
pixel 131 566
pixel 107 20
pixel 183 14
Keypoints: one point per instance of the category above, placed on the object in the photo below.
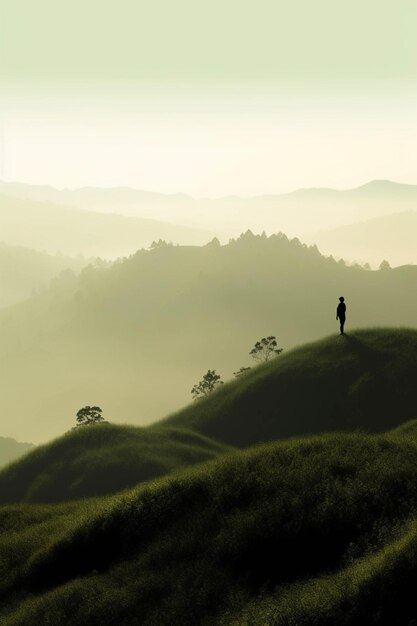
pixel 89 415
pixel 265 349
pixel 384 265
pixel 210 381
pixel 241 372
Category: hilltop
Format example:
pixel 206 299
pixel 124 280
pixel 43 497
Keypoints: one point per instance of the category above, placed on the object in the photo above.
pixel 313 531
pixel 97 460
pixel 363 381
pixel 135 337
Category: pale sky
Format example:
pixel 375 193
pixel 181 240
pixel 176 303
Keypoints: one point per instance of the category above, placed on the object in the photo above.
pixel 208 98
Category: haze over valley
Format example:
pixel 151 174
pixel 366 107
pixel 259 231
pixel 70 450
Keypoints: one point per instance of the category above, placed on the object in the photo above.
pixel 208 313
pixel 364 224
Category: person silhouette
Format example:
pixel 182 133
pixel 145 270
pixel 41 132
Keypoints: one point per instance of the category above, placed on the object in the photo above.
pixel 341 314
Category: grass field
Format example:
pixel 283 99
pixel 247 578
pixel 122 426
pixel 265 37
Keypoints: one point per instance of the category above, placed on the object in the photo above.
pixel 364 380
pixel 319 529
pixel 101 459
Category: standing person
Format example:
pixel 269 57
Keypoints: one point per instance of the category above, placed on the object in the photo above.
pixel 341 314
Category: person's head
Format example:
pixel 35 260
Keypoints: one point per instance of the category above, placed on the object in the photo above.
pixel 341 299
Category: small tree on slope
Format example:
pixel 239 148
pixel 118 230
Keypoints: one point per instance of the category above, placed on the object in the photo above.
pixel 265 349
pixel 210 381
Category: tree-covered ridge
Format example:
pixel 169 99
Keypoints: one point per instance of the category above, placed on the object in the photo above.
pixel 24 272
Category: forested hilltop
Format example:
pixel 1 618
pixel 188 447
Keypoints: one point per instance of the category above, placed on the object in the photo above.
pixel 136 336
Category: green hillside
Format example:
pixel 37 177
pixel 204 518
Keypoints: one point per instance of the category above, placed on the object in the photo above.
pixel 363 380
pixel 101 459
pixel 316 531
pixel 135 337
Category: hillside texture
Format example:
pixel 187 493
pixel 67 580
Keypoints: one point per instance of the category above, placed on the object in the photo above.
pixel 319 531
pixel 364 381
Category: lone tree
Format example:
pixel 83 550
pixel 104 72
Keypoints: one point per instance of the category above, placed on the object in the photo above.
pixel 210 381
pixel 89 415
pixel 265 349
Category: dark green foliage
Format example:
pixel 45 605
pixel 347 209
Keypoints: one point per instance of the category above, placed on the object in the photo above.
pixel 101 460
pixel 318 531
pixel 207 385
pixel 265 349
pixel 364 380
pixel 89 415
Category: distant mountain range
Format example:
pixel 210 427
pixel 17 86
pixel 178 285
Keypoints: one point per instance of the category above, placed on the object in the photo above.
pixel 55 227
pixel 392 237
pixel 301 213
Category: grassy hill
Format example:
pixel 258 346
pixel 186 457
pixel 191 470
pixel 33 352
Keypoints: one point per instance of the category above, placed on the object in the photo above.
pixel 101 459
pixel 316 531
pixel 362 380
pixel 135 337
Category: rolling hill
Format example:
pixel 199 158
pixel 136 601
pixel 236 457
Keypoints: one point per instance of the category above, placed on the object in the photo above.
pixel 364 381
pixel 135 337
pixel 102 459
pixel 313 531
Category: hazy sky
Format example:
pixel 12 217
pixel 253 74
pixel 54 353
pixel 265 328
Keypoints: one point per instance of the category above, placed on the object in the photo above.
pixel 210 98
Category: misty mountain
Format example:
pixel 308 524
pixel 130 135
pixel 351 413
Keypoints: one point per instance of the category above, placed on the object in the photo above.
pixel 24 271
pixel 391 237
pixel 134 338
pixel 303 211
pixel 11 450
pixel 53 228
